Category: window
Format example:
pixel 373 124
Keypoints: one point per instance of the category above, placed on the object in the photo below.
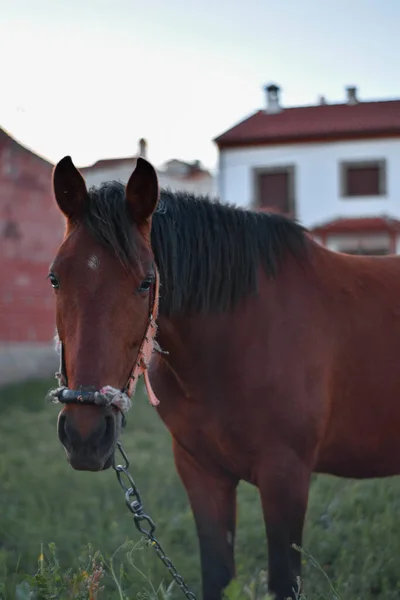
pixel 363 179
pixel 274 189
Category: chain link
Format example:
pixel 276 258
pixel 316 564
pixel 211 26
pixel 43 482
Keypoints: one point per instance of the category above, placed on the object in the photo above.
pixel 144 523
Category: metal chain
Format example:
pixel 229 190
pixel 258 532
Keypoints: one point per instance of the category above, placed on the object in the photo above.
pixel 134 503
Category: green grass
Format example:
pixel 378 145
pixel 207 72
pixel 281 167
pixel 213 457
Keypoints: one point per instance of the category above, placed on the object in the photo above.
pixel 352 529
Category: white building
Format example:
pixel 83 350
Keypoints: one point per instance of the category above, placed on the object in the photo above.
pixel 174 174
pixel 328 165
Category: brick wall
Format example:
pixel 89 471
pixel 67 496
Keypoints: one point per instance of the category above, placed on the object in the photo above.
pixel 31 229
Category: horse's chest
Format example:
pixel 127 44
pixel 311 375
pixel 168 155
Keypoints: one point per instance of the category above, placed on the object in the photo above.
pixel 204 424
pixel 209 438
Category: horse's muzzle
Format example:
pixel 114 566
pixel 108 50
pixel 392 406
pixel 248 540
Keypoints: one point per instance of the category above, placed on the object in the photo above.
pixel 89 436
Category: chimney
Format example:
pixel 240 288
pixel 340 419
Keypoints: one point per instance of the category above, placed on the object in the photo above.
pixel 142 148
pixel 351 95
pixel 273 105
pixel 195 166
pixel 322 101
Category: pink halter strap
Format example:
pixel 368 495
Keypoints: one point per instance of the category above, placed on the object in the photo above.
pixel 147 348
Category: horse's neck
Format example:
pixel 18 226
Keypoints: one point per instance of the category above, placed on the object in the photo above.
pixel 188 342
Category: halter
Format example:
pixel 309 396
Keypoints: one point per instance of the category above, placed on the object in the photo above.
pixel 109 396
pixel 147 348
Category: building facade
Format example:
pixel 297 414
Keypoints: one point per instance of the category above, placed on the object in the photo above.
pixel 174 174
pixel 317 163
pixel 31 229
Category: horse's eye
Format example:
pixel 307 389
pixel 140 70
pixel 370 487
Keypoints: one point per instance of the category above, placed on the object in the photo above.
pixel 146 284
pixel 54 281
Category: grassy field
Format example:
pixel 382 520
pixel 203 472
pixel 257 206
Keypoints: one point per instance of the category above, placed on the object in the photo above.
pixel 352 530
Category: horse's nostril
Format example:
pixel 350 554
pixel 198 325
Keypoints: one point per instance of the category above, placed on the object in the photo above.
pixel 62 434
pixel 100 438
pixel 109 433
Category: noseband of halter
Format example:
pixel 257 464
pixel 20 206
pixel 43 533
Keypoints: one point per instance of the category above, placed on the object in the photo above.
pixel 109 396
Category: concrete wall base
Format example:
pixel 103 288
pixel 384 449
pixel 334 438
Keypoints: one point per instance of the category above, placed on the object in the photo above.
pixel 22 361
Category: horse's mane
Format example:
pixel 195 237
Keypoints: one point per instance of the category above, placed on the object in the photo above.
pixel 208 253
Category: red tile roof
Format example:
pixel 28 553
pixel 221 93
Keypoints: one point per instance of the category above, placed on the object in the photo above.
pixel 109 163
pixel 358 224
pixel 112 163
pixel 326 122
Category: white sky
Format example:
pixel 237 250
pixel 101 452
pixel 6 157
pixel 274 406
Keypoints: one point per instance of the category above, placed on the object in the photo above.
pixel 90 77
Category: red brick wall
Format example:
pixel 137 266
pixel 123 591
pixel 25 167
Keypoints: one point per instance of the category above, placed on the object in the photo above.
pixel 31 229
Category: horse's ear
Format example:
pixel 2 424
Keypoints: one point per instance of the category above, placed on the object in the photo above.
pixel 142 191
pixel 69 188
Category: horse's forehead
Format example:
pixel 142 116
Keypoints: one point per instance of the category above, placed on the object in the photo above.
pixel 82 251
pixel 87 255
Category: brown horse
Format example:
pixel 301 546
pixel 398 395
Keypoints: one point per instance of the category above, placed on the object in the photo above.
pixel 282 357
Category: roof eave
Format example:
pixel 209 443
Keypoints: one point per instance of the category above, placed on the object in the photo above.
pixel 356 225
pixel 314 138
pixel 26 148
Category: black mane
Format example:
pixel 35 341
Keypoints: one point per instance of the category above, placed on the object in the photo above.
pixel 208 253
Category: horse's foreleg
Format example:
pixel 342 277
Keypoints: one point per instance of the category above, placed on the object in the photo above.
pixel 212 496
pixel 284 485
